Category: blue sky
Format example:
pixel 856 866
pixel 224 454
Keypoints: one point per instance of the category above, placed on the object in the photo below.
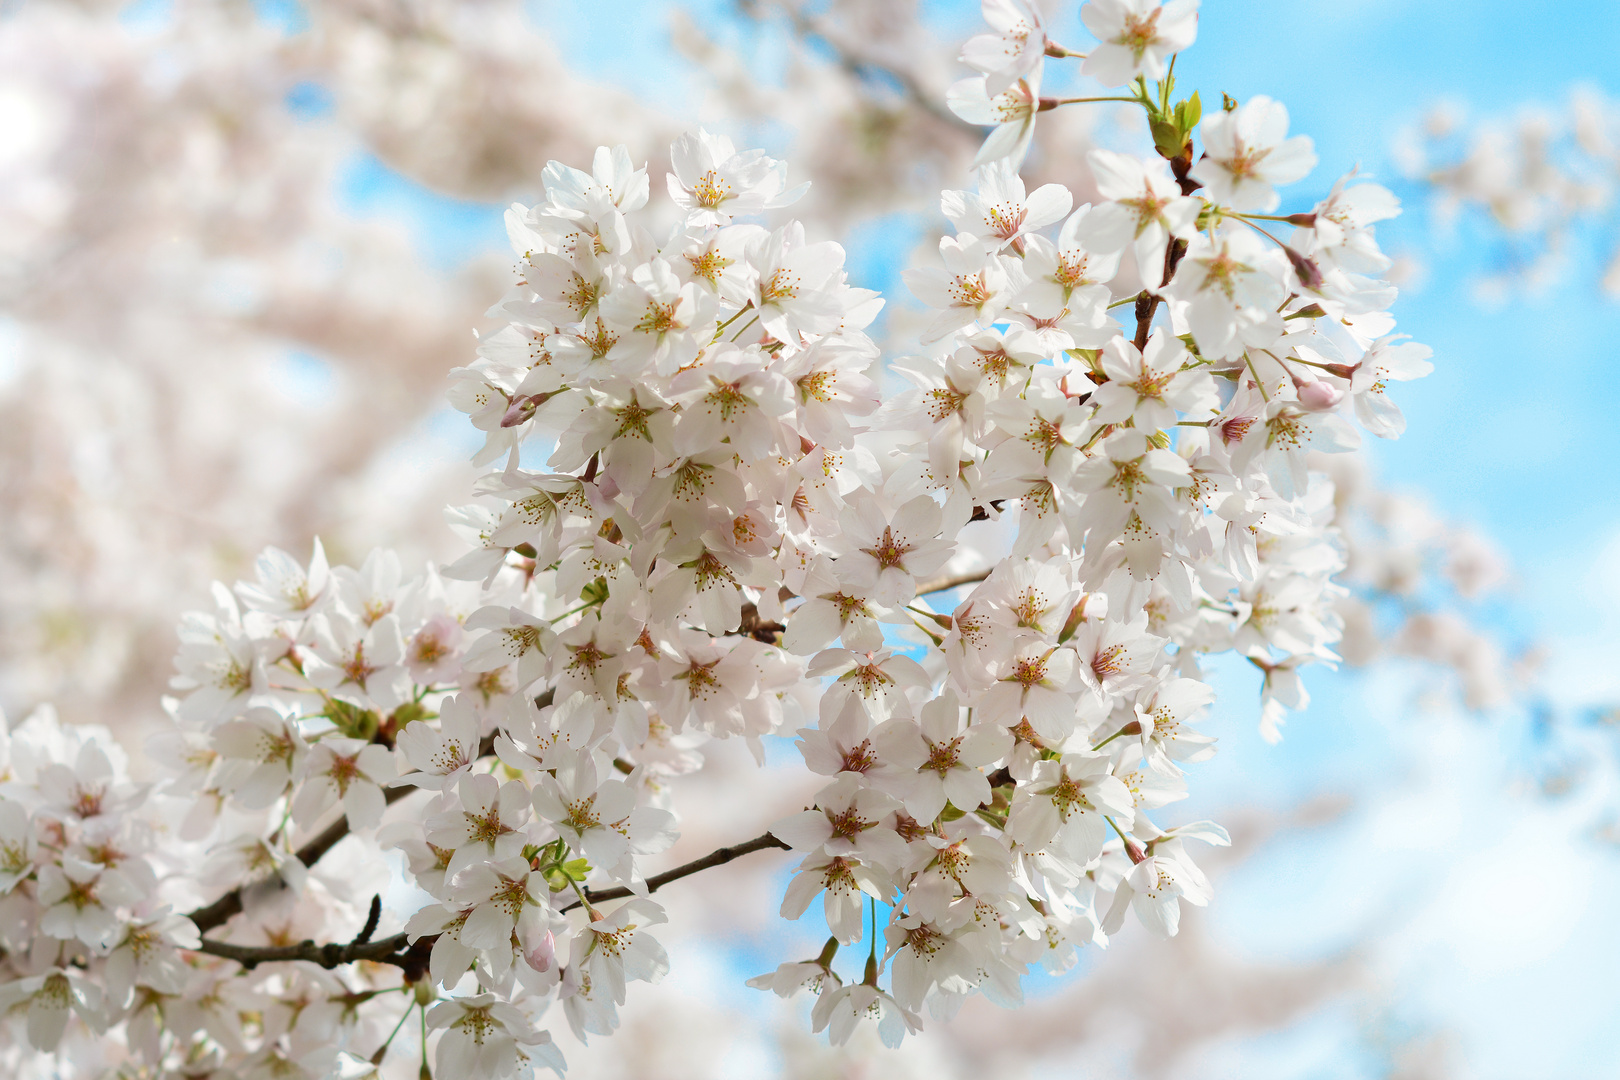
pixel 1512 432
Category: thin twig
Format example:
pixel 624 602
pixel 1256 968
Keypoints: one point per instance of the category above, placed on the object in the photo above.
pixel 717 857
pixel 413 956
pixel 221 910
pixel 951 582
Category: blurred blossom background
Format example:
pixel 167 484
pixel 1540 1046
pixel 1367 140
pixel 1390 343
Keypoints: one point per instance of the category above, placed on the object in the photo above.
pixel 241 245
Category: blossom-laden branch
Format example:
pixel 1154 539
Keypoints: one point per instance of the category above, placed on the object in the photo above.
pixel 400 951
pixel 703 467
pixel 717 857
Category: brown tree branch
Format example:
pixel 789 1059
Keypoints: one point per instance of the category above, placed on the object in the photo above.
pixel 412 957
pixel 221 910
pixel 951 582
pixel 717 857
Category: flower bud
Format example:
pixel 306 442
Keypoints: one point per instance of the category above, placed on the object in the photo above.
pixel 1320 396
pixel 542 954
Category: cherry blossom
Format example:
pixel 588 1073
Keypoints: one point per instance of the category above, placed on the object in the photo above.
pixel 1136 37
pixel 347 771
pixel 1011 110
pixel 1145 210
pixel 982 594
pixel 712 182
pixel 1248 153
pixel 1013 49
pixel 488 1039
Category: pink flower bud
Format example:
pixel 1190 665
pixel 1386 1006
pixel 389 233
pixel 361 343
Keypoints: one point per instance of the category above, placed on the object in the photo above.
pixel 1320 396
pixel 542 954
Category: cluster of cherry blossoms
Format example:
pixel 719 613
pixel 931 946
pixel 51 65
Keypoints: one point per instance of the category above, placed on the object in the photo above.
pixel 980 603
pixel 1546 178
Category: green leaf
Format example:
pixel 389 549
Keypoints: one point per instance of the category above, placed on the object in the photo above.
pixel 352 720
pixel 409 713
pixel 1188 113
pixel 1167 138
pixel 596 592
pixel 560 876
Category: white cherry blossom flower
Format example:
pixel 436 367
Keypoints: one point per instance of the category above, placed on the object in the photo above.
pixel 834 608
pixel 1154 889
pixel 1034 684
pixel 1231 286
pixel 82 900
pixel 1248 153
pixel 1013 50
pixel 18 844
pixel 788 979
pixel 972 287
pixel 587 812
pixel 1389 360
pixel 50 1000
pixel 1001 211
pixel 712 182
pixel 485 1038
pixel 284 588
pixel 794 291
pixel 876 681
pixel 264 751
pixel 658 319
pixel 497 896
pixel 1068 273
pixel 442 755
pixel 487 826
pixel 448 959
pixel 850 820
pixel 1163 712
pixel 1136 38
pixel 618 948
pixel 925 956
pixel 948 760
pixel 219 667
pixel 1145 210
pixel 1148 386
pixel 1283 438
pixel 346 770
pixel 1011 110
pixel 614 183
pixel 1129 479
pixel 846 881
pixel 1066 802
pixel 888 553
pixel 514 635
pixel 347 654
pixel 93 787
pixel 839 1011
pixel 148 954
pixel 1340 233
